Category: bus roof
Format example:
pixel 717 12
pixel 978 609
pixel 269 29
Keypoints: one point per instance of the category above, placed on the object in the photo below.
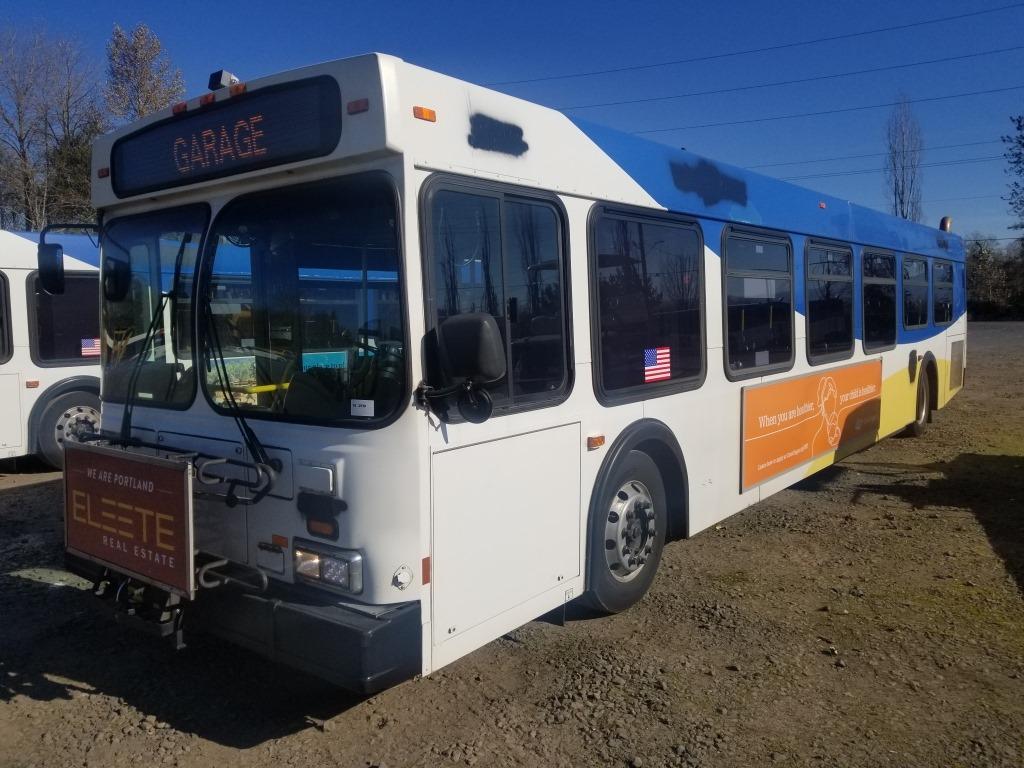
pixel 689 183
pixel 18 250
pixel 493 135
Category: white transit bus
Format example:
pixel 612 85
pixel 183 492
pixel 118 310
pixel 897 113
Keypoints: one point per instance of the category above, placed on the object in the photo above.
pixel 393 363
pixel 49 350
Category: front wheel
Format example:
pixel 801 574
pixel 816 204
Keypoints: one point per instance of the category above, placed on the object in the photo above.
pixel 627 534
pixel 67 419
pixel 922 409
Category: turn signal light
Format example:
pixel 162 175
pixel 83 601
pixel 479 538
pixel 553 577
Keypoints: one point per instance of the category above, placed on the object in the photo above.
pixel 595 442
pixel 31 383
pixel 425 113
pixel 326 528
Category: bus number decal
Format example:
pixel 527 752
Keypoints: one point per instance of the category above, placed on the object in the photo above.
pixel 791 422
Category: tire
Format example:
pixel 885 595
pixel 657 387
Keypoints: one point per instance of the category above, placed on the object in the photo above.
pixel 63 420
pixel 922 412
pixel 619 576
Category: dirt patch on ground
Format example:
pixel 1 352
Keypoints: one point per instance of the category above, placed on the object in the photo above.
pixel 872 616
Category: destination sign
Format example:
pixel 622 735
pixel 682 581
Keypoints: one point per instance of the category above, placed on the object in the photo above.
pixel 270 126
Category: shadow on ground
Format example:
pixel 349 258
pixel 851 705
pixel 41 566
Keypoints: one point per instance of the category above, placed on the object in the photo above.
pixel 55 643
pixel 990 486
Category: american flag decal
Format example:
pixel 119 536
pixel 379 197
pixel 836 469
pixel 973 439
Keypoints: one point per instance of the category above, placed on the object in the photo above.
pixel 90 347
pixel 657 364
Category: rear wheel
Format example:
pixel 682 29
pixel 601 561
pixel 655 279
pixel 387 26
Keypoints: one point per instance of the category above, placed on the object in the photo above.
pixel 67 419
pixel 922 410
pixel 627 534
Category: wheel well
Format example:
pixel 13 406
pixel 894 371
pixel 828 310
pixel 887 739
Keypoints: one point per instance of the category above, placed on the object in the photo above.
pixel 675 484
pixel 655 439
pixel 933 386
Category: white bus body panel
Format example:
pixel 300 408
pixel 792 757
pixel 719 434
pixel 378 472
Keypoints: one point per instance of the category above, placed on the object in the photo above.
pixel 18 260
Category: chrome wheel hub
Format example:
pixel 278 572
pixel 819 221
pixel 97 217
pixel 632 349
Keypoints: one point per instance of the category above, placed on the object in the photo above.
pixel 76 423
pixel 629 530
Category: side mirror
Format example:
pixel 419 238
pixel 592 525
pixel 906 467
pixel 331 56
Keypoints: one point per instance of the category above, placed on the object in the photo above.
pixel 471 348
pixel 117 279
pixel 50 257
pixel 472 355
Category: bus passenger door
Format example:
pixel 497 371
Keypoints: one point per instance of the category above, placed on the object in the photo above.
pixel 505 493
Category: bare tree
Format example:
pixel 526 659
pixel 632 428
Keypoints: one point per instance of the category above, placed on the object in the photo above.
pixel 49 115
pixel 74 118
pixel 903 164
pixel 1015 158
pixel 140 77
pixel 986 279
pixel 24 73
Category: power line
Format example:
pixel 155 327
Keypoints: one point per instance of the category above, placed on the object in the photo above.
pixel 829 111
pixel 958 199
pixel 964 161
pixel 765 49
pixel 777 83
pixel 872 154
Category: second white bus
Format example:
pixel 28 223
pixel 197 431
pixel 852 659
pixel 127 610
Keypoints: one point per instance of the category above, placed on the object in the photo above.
pixel 49 350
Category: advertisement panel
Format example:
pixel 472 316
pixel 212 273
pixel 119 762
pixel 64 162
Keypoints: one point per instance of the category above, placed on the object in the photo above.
pixel 791 422
pixel 132 513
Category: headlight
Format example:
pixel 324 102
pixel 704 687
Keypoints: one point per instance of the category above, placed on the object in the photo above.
pixel 331 568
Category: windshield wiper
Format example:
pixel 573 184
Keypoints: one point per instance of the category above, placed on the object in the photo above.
pixel 252 442
pixel 133 379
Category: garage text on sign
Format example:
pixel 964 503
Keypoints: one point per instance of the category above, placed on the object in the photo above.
pixel 216 146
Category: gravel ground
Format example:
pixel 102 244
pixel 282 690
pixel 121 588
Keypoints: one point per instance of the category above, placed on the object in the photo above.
pixel 872 616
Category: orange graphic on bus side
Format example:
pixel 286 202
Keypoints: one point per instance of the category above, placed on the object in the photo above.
pixel 792 422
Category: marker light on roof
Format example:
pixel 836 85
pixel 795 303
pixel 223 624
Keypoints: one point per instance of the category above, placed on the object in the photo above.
pixel 180 107
pixel 207 98
pixel 237 89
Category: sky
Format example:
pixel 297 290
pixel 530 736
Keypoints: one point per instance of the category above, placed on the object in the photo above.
pixel 559 53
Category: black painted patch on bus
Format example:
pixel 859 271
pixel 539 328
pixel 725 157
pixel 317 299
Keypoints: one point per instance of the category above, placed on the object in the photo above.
pixel 496 136
pixel 709 182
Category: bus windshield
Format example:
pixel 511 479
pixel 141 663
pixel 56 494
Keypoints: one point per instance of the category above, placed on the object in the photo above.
pixel 303 315
pixel 157 251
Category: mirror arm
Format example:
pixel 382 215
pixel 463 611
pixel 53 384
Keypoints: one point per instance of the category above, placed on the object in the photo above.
pixel 94 228
pixel 424 393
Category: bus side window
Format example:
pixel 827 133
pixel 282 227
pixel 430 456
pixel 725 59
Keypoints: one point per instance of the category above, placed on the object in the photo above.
pixel 650 292
pixel 503 254
pixel 759 304
pixel 829 303
pixel 879 301
pixel 6 343
pixel 66 328
pixel 942 292
pixel 915 293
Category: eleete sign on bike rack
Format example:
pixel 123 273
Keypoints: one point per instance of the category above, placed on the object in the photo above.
pixel 131 513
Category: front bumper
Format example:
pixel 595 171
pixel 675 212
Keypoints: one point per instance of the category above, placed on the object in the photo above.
pixel 362 649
